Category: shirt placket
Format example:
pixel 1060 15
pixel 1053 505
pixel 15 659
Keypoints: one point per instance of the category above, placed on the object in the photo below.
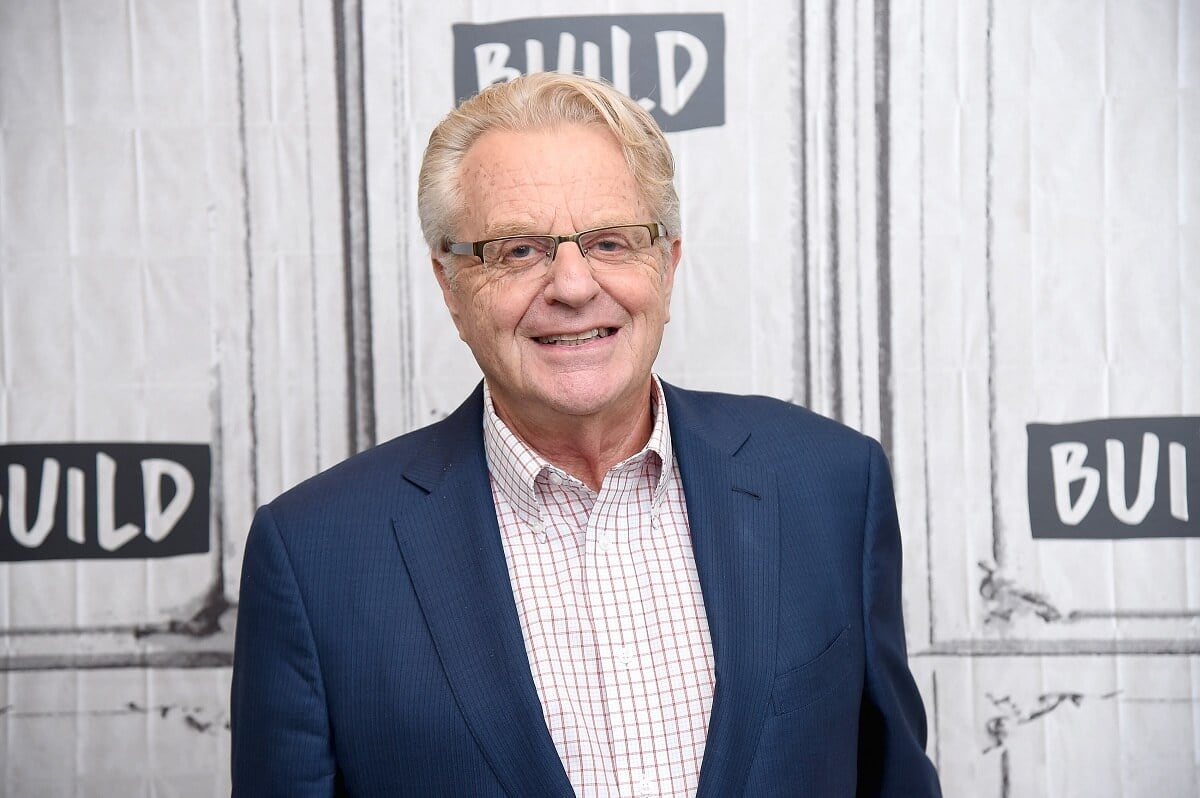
pixel 621 635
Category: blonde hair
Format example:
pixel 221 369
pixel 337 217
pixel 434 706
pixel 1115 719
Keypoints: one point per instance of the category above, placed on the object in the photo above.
pixel 536 102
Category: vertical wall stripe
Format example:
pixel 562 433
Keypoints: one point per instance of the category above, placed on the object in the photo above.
pixel 360 375
pixel 216 485
pixel 922 312
pixel 858 249
pixel 883 208
pixel 312 244
pixel 248 256
pixel 402 180
pixel 935 715
pixel 834 231
pixel 801 360
pixel 998 548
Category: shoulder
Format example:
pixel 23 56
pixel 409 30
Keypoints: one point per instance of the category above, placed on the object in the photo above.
pixel 767 427
pixel 382 475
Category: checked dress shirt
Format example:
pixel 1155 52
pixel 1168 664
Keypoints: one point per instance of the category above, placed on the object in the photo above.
pixel 611 611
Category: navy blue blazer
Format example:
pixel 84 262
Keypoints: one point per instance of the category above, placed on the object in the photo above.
pixel 378 650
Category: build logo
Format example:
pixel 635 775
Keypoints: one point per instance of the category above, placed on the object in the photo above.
pixel 1115 478
pixel 74 501
pixel 672 64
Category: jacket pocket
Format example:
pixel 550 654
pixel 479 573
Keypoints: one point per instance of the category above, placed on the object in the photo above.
pixel 812 681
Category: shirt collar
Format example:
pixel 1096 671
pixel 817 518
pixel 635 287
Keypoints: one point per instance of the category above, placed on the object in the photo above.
pixel 514 466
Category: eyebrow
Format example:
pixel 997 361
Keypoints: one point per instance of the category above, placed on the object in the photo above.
pixel 504 229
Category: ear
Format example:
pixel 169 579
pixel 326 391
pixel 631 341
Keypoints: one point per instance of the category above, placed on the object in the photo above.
pixel 669 273
pixel 449 295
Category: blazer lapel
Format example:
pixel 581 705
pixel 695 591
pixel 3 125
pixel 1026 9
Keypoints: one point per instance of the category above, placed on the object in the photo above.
pixel 451 545
pixel 733 514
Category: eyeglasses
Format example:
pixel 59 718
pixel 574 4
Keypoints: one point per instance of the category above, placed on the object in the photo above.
pixel 604 247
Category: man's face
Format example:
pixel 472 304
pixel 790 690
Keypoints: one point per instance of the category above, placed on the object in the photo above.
pixel 524 328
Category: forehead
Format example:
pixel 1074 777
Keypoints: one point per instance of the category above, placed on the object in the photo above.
pixel 570 177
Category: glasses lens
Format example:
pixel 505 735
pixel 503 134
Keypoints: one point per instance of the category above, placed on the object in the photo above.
pixel 616 246
pixel 516 253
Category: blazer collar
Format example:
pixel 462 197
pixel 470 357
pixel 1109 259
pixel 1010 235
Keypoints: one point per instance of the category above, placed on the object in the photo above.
pixel 733 513
pixel 450 542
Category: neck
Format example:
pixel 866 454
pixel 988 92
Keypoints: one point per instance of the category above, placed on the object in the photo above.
pixel 585 447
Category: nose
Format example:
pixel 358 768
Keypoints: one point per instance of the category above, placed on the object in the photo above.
pixel 571 280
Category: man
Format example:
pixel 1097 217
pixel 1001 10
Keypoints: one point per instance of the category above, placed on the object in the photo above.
pixel 583 580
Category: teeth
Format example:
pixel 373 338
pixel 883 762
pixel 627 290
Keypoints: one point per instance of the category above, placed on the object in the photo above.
pixel 575 339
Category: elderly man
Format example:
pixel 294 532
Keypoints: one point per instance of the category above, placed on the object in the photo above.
pixel 584 580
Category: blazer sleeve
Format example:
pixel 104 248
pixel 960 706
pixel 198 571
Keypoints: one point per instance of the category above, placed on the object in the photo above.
pixel 281 742
pixel 891 757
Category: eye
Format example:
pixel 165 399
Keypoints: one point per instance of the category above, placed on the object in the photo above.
pixel 608 243
pixel 523 251
pixel 611 244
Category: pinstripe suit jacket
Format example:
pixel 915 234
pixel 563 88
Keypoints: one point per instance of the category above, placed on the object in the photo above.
pixel 378 650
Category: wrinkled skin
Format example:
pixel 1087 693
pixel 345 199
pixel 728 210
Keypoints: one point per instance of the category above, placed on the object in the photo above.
pixel 582 402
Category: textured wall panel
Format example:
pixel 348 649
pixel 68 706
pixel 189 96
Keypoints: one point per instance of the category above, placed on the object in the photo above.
pixel 937 221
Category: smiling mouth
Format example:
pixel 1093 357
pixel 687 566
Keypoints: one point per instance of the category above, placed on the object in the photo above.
pixel 576 339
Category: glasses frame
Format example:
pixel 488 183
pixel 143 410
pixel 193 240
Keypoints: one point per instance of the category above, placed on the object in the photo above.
pixel 657 230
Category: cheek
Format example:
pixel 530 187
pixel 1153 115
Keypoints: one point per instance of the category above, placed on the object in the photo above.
pixel 496 313
pixel 644 291
pixel 655 298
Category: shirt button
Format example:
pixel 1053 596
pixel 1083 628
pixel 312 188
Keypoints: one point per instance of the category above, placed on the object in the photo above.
pixel 605 542
pixel 538 528
pixel 555 478
pixel 625 657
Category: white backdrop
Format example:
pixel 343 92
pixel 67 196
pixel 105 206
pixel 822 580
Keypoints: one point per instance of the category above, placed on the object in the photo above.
pixel 937 221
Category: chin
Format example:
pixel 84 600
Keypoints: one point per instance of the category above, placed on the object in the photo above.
pixel 584 395
pixel 571 403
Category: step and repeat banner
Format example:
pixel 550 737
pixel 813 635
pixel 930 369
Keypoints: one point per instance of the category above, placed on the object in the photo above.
pixel 969 228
